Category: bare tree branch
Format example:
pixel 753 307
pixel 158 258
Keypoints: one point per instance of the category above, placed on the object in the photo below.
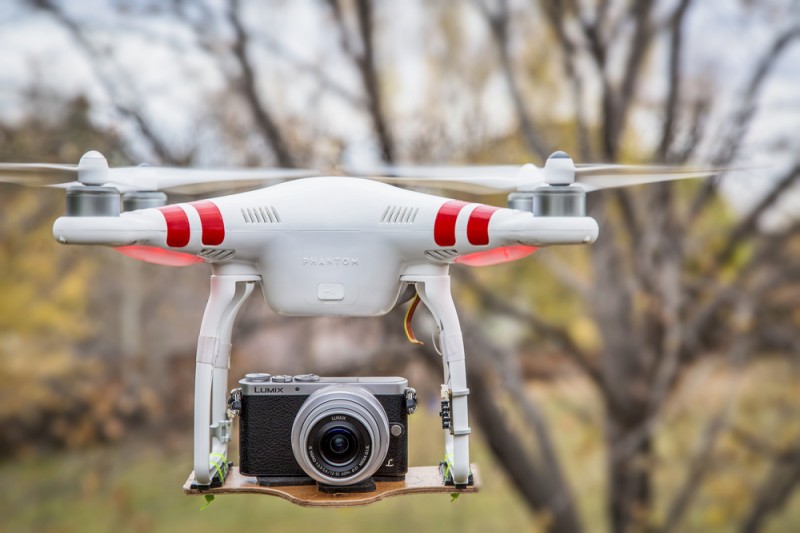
pixel 755 443
pixel 698 120
pixel 261 113
pixel 326 82
pixel 674 84
pixel 742 118
pixel 669 320
pixel 368 69
pixel 499 23
pixel 565 273
pixel 97 60
pixel 701 461
pixel 719 296
pixel 615 104
pixel 775 490
pixel 365 62
pixel 630 217
pixel 556 15
pixel 621 101
pixel 749 224
pixel 555 333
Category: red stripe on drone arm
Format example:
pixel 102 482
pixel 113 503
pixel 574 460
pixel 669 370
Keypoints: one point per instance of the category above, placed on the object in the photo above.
pixel 444 228
pixel 178 231
pixel 478 225
pixel 496 256
pixel 211 222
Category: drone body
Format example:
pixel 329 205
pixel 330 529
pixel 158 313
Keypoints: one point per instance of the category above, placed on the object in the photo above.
pixel 331 245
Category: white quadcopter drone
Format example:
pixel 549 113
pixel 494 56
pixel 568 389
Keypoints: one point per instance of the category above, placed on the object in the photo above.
pixel 336 246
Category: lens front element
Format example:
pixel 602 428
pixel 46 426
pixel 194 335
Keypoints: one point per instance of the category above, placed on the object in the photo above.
pixel 338 445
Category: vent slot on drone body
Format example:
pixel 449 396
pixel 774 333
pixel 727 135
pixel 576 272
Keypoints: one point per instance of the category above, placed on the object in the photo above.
pixel 395 214
pixel 445 256
pixel 213 255
pixel 260 215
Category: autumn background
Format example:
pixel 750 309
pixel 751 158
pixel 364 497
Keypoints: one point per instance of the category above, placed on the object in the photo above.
pixel 650 382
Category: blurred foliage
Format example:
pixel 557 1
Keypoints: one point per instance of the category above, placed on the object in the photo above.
pixel 44 287
pixel 50 394
pixel 66 401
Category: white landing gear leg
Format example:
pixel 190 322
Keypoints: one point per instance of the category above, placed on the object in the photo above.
pixel 434 291
pixel 212 428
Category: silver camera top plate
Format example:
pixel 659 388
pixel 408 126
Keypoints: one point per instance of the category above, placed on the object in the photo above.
pixel 303 385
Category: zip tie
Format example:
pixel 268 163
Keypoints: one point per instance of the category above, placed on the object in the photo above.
pixel 217 466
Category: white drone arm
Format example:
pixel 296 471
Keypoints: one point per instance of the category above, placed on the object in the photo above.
pixel 434 291
pixel 211 423
pixel 111 231
pixel 523 228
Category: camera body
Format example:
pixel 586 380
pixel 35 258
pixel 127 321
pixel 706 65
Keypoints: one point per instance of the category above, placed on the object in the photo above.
pixel 337 431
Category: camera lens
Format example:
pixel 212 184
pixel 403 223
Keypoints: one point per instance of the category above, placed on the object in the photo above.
pixel 340 435
pixel 338 445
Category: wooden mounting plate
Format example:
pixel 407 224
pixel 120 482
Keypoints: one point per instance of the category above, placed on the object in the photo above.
pixel 419 480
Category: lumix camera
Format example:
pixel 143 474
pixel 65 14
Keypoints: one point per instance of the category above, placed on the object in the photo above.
pixel 343 433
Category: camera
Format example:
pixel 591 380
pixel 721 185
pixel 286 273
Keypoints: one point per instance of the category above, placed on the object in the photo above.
pixel 339 432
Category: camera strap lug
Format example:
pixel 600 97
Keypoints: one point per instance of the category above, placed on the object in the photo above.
pixel 222 429
pixel 234 403
pixel 411 400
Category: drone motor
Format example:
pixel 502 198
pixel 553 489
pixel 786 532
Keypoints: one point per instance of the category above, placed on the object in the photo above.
pixel 558 196
pixel 559 201
pixel 92 201
pixel 550 201
pixel 134 200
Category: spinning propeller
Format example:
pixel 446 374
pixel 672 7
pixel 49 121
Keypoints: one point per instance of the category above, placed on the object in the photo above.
pixel 559 170
pixel 93 170
pixel 557 189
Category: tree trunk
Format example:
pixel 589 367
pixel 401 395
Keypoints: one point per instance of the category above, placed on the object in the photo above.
pixel 629 477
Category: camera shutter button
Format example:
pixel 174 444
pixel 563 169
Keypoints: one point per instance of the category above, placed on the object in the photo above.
pixel 307 378
pixel 258 377
pixel 281 379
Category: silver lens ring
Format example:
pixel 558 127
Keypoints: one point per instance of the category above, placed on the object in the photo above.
pixel 351 409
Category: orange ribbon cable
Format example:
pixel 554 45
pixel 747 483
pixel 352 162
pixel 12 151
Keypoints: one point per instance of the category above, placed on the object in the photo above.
pixel 407 322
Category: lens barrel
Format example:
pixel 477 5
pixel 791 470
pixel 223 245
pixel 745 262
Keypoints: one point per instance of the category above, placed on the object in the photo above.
pixel 340 435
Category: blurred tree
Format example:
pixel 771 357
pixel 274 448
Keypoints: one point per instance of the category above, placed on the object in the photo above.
pixel 675 276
